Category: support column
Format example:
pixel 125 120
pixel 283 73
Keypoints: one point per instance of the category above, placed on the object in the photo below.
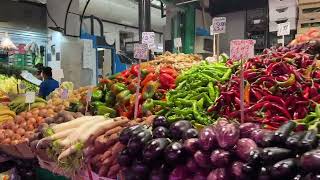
pixel 189 29
pixel 144 17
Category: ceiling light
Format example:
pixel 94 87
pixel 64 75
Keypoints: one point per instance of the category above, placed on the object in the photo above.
pixel 6 43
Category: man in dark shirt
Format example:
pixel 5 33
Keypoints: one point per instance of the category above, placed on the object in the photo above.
pixel 49 84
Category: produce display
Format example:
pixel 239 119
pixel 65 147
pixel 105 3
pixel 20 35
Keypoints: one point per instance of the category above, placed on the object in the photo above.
pixel 280 85
pixel 116 96
pixel 14 86
pixel 19 105
pixel 197 90
pixel 178 61
pixel 6 114
pixel 311 34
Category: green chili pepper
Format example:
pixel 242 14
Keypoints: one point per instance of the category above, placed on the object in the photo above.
pixel 200 103
pixel 202 89
pixel 118 87
pixel 97 95
pixel 207 98
pixel 109 99
pixel 181 84
pixel 162 103
pixel 198 97
pixel 309 118
pixel 97 103
pixel 123 96
pixel 183 112
pixel 103 110
pixel 147 105
pixel 185 102
pixel 161 112
pixel 227 75
pixel 173 118
pixel 179 95
pixel 198 116
pixel 317 110
pixel 217 92
pixel 211 91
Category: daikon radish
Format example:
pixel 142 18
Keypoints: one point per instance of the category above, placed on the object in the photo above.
pixel 72 149
pixel 74 123
pixel 56 136
pixel 85 127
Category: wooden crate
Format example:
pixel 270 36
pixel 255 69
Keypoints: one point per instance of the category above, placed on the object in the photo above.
pixel 308 11
pixel 305 25
pixel 308 1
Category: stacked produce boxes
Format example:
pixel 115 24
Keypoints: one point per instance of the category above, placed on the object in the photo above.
pixel 281 11
pixel 309 15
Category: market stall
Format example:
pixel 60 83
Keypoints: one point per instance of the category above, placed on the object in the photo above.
pixel 187 125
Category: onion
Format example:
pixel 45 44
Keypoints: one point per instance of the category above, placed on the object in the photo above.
pixel 30 127
pixel 21 131
pixel 19 119
pixel 29 115
pixel 7 141
pixel 32 121
pixel 35 112
pixel 23 114
pixel 23 124
pixel 9 133
pixel 14 142
pixel 10 124
pixel 16 137
pixel 2 136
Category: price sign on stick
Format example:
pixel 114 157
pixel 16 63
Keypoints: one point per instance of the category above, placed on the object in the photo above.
pixel 283 30
pixel 211 30
pixel 242 50
pixel 219 25
pixel 88 98
pixel 30 98
pixel 64 94
pixel 141 51
pixel 177 43
pixel 148 38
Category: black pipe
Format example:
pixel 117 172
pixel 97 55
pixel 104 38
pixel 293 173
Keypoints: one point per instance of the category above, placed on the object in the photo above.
pixel 66 18
pixel 84 10
pixel 144 17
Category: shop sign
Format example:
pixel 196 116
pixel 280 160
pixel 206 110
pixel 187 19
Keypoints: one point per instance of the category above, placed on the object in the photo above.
pixel 242 49
pixel 283 29
pixel 177 42
pixel 141 51
pixel 219 25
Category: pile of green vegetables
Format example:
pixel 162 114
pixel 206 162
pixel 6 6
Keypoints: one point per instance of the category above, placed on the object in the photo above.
pixel 197 89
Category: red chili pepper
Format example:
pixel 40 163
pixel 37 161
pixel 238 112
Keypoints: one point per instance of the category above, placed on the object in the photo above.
pixel 247 94
pixel 135 69
pixel 148 78
pixel 169 70
pixel 280 119
pixel 317 98
pixel 257 94
pixel 267 126
pixel 284 111
pixel 276 99
pixel 256 106
pixel 166 80
pixel 306 92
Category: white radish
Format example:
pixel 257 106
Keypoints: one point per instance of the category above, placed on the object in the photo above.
pixel 72 149
pixel 56 136
pixel 73 137
pixel 72 124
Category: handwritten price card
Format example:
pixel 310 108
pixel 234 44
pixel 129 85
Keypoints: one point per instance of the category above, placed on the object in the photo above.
pixel 242 49
pixel 148 38
pixel 64 94
pixel 141 51
pixel 283 29
pixel 30 97
pixel 89 95
pixel 219 25
pixel 177 42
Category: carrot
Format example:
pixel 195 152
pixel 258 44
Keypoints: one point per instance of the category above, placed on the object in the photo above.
pixel 113 170
pixel 102 143
pixel 117 148
pixel 114 130
pixel 105 155
pixel 103 171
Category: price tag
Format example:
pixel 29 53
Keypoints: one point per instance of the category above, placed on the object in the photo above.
pixel 89 95
pixel 141 51
pixel 64 94
pixel 257 21
pixel 30 97
pixel 177 42
pixel 219 25
pixel 242 49
pixel 148 38
pixel 283 29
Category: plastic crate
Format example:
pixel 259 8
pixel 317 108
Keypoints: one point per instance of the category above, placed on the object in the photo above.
pixel 308 1
pixel 308 11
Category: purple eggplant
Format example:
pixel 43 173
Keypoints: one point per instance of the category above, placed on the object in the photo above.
pixel 202 159
pixel 247 128
pixel 174 153
pixel 192 165
pixel 154 149
pixel 286 169
pixel 140 169
pixel 294 139
pixel 126 133
pixel 190 133
pixel 178 128
pixel 160 132
pixel 191 145
pixel 308 141
pixel 237 172
pixel 218 174
pixel 160 121
pixel 227 135
pixel 283 132
pixel 310 161
pixel 138 141
pixel 124 158
pixel 207 138
pixel 220 158
pixel 244 147
pixel 179 173
pixel 271 155
pixel 159 173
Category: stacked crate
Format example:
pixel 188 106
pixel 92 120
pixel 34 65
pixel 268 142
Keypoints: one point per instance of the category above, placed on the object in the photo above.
pixel 281 11
pixel 309 15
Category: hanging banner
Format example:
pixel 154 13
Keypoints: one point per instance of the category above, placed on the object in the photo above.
pixel 219 25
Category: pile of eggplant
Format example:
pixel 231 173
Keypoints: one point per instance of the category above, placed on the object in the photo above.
pixel 285 154
pixel 152 153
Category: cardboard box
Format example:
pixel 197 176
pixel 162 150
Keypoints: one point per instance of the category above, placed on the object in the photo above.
pixel 273 25
pixel 282 12
pixel 308 11
pixel 305 25
pixel 308 1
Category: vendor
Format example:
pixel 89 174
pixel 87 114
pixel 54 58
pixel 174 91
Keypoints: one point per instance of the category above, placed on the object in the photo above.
pixel 39 67
pixel 49 84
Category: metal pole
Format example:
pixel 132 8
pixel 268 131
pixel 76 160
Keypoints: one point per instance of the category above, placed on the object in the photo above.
pixel 144 17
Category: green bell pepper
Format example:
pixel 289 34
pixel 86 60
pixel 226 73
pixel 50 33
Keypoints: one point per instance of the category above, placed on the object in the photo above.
pixel 118 87
pixel 103 110
pixel 109 99
pixel 97 95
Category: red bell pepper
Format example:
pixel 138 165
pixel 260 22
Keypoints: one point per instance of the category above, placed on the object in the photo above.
pixel 148 78
pixel 135 69
pixel 170 71
pixel 166 80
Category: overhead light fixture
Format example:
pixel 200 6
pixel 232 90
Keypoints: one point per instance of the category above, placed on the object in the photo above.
pixel 7 44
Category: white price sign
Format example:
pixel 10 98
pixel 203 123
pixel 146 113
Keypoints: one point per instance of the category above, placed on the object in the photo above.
pixel 65 94
pixel 30 97
pixel 148 38
pixel 284 29
pixel 89 95
pixel 211 30
pixel 219 25
pixel 177 42
pixel 141 51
